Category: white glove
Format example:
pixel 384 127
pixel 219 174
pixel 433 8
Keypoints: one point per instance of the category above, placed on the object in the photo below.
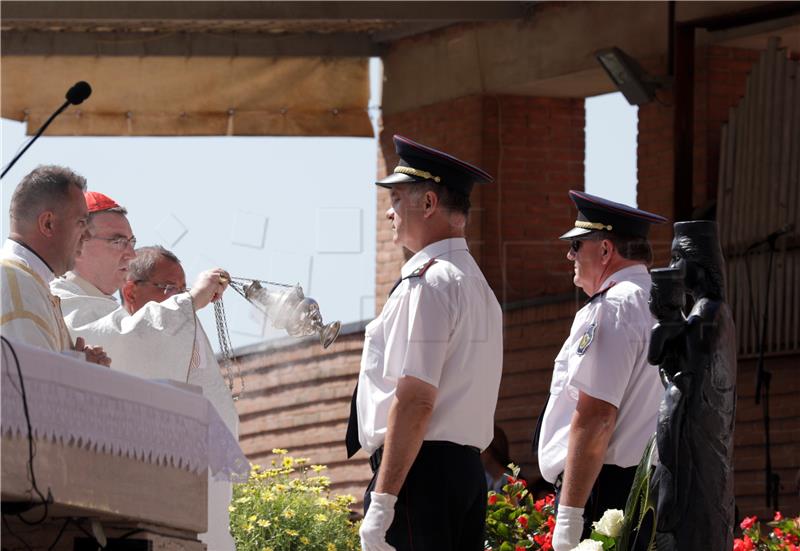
pixel 569 527
pixel 376 522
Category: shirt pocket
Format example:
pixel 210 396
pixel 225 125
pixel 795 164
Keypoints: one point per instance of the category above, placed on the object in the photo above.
pixel 560 371
pixel 372 356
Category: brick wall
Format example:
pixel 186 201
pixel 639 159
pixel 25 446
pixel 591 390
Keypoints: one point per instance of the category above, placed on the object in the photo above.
pixel 749 438
pixel 298 397
pixel 533 336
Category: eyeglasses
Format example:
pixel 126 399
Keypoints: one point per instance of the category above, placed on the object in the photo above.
pixel 575 245
pixel 119 243
pixel 167 288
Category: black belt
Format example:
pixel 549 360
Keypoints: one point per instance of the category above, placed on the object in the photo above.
pixel 375 458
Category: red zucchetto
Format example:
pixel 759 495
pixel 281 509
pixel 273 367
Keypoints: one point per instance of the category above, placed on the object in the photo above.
pixel 97 202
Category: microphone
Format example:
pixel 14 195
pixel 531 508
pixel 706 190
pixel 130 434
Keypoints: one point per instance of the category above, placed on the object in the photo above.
pixel 79 92
pixel 74 96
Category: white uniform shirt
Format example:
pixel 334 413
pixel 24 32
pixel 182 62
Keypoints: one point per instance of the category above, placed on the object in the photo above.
pixel 30 314
pixel 605 357
pixel 444 328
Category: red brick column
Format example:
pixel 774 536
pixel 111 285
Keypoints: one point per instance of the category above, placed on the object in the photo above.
pixel 535 149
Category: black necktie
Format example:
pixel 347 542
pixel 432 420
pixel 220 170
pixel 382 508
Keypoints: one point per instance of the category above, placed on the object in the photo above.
pixel 351 437
pixel 537 432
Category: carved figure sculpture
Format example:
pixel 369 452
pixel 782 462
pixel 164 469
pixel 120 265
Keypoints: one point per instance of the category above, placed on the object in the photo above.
pixel 696 356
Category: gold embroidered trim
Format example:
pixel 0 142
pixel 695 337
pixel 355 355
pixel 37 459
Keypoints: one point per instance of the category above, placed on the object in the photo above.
pixel 418 173
pixel 592 225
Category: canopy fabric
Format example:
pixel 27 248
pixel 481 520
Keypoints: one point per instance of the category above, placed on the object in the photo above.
pixel 191 96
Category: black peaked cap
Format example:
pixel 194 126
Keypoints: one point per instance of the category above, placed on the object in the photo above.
pixel 420 163
pixel 596 214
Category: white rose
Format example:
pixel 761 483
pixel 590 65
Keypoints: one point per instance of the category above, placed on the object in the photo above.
pixel 589 545
pixel 611 523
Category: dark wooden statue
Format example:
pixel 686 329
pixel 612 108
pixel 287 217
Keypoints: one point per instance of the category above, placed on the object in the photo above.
pixel 696 355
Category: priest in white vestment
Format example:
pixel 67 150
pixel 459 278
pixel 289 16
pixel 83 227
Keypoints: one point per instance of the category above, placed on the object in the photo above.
pixel 160 339
pixel 48 220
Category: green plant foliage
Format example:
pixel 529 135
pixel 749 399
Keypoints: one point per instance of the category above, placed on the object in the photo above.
pixel 289 507
pixel 641 503
pixel 517 522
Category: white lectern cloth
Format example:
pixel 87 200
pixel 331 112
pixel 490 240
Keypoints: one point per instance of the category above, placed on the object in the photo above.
pixel 74 402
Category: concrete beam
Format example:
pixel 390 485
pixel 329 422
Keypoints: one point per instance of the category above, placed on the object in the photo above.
pixel 24 43
pixel 226 11
pixel 550 54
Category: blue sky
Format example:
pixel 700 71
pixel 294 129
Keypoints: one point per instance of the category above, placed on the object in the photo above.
pixel 293 210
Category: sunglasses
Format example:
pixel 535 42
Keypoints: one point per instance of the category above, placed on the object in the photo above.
pixel 575 245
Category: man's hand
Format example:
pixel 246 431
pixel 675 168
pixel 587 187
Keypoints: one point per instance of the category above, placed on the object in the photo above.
pixel 376 522
pixel 209 286
pixel 569 526
pixel 93 354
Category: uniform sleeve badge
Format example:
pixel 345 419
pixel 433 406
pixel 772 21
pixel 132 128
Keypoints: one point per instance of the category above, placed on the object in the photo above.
pixel 586 339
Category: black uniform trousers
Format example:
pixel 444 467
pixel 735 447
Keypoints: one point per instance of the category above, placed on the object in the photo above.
pixel 610 491
pixel 442 504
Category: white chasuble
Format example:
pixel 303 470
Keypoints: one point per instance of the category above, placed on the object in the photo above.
pixel 28 312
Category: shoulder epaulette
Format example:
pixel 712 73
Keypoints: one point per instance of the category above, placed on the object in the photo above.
pixel 419 272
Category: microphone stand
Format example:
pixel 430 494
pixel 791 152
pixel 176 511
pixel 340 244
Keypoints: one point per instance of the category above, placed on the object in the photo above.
pixel 764 377
pixel 76 95
pixel 38 133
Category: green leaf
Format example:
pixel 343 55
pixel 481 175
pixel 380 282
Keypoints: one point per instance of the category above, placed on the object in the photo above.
pixel 641 501
pixel 503 530
pixel 506 546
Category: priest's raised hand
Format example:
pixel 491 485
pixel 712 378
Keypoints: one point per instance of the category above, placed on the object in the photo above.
pixel 208 287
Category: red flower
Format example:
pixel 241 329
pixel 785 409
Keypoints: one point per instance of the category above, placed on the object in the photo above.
pixel 738 545
pixel 748 522
pixel 523 521
pixel 748 543
pixel 550 499
pixel 520 548
pixel 551 523
pixel 539 505
pixel 511 479
pixel 778 516
pixel 547 545
pixel 778 532
pixel 522 481
pixel 492 499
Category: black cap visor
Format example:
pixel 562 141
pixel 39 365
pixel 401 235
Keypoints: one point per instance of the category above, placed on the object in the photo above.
pixel 576 233
pixel 398 178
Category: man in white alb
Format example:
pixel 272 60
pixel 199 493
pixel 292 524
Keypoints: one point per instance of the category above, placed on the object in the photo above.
pixel 430 370
pixel 159 340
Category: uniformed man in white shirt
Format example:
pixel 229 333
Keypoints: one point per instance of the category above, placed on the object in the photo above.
pixel 47 229
pixel 430 370
pixel 604 396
